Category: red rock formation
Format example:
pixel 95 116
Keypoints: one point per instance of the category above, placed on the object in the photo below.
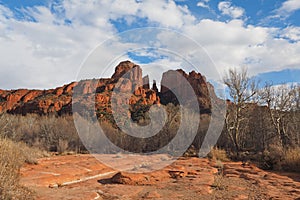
pixel 122 68
pixel 146 85
pixel 125 85
pixel 126 78
pixel 14 97
pixel 31 95
pixel 154 87
pixel 175 79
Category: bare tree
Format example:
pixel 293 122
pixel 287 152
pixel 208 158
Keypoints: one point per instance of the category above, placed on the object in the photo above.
pixel 280 101
pixel 296 114
pixel 296 97
pixel 242 89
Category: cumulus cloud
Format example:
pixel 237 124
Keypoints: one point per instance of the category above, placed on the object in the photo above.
pixel 167 13
pixel 48 51
pixel 45 52
pixel 203 4
pixel 226 8
pixel 288 7
pixel 46 48
pixel 232 44
pixel 292 33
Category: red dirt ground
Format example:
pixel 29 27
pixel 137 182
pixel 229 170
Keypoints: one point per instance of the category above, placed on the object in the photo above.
pixel 84 177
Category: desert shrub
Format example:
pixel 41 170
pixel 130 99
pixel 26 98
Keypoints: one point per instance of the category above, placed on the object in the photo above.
pixel 272 157
pixel 12 157
pixel 291 160
pixel 49 132
pixel 218 154
pixel 278 158
pixel 219 182
pixel 62 146
pixel 30 154
pixel 219 177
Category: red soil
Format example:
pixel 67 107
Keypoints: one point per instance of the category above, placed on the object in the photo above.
pixel 84 177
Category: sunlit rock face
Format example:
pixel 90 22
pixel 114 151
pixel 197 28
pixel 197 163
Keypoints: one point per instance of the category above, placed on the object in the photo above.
pixel 127 78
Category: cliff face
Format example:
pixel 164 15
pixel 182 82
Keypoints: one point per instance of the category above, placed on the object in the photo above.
pixel 127 78
pixel 194 80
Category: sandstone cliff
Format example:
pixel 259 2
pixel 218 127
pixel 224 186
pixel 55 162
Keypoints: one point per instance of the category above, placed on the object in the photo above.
pixel 59 100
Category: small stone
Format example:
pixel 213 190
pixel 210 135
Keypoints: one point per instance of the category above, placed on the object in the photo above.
pixel 54 185
pixel 152 195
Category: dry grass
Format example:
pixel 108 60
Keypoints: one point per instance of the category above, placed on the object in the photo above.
pixel 12 157
pixel 272 157
pixel 218 154
pixel 291 160
pixel 219 184
pixel 280 159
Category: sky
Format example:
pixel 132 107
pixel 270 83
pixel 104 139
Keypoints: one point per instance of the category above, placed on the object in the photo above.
pixel 45 44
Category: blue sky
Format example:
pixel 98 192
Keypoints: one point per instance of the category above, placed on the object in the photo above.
pixel 44 43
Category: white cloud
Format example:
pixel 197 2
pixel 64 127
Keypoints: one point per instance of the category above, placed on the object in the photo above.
pixel 166 13
pixel 48 52
pixel 233 11
pixel 203 4
pixel 231 44
pixel 45 53
pixel 5 12
pixel 288 7
pixel 291 33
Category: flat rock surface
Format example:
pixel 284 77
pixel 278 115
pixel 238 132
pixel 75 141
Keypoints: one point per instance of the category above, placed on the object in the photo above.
pixel 84 177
